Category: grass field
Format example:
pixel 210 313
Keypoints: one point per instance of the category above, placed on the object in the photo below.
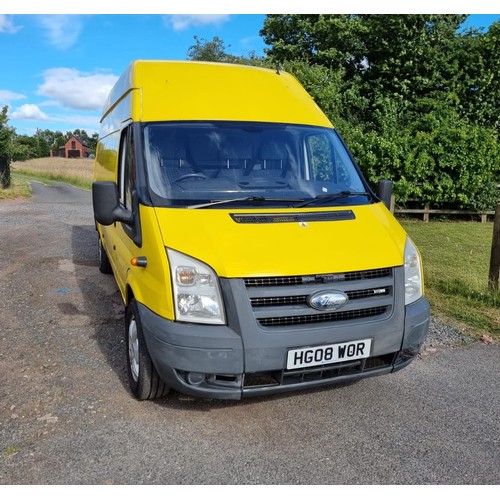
pixel 78 171
pixel 455 254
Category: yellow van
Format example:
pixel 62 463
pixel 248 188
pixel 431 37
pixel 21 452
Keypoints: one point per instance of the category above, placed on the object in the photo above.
pixel 251 254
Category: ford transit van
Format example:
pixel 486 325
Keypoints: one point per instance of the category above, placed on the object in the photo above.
pixel 251 254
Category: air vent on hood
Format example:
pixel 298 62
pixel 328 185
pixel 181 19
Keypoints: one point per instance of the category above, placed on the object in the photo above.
pixel 293 217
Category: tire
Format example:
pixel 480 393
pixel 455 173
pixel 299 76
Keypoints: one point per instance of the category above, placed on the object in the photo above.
pixel 144 381
pixel 104 264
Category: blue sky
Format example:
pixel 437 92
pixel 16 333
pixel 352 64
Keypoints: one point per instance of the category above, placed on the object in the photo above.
pixel 57 69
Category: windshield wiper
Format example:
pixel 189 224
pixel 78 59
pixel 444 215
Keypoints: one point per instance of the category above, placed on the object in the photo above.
pixel 248 199
pixel 332 197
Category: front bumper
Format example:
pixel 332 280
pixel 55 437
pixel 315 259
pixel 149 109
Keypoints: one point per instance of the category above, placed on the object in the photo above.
pixel 209 361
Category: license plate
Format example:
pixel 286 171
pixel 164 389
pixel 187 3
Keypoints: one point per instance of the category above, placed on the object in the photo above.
pixel 328 354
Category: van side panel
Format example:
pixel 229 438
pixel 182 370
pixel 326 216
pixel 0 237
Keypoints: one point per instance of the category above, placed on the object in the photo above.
pixel 121 113
pixel 106 161
pixel 119 90
pixel 151 285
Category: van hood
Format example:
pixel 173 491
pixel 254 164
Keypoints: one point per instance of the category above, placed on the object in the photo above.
pixel 368 238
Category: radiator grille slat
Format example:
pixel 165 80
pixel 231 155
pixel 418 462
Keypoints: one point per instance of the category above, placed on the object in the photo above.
pixel 318 278
pixel 323 317
pixel 302 299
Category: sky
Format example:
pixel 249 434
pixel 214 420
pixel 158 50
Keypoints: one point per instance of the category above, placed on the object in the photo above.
pixel 57 69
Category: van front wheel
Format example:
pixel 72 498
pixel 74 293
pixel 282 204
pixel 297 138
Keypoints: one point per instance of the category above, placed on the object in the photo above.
pixel 104 264
pixel 145 383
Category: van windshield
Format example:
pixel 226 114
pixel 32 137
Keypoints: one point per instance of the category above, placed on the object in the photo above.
pixel 237 164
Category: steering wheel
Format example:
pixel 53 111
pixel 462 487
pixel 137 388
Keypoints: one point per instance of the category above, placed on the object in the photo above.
pixel 191 176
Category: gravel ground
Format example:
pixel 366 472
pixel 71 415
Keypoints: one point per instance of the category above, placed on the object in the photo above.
pixel 446 334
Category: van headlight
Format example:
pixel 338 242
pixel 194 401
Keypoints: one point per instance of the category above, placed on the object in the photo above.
pixel 196 289
pixel 413 273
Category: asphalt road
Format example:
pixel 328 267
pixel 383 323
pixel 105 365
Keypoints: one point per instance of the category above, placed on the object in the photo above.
pixel 66 416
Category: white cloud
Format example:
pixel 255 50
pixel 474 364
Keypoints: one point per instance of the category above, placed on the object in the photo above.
pixel 7 25
pixel 75 89
pixel 181 22
pixel 62 31
pixel 29 112
pixel 7 96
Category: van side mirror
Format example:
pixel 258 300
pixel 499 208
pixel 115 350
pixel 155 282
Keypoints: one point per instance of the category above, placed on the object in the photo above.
pixel 384 192
pixel 106 204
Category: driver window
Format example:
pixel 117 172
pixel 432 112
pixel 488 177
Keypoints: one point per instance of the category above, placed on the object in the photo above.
pixel 127 177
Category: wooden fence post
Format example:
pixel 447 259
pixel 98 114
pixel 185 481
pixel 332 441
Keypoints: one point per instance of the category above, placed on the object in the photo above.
pixel 426 212
pixel 494 274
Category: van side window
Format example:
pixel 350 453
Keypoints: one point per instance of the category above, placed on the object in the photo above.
pixel 127 168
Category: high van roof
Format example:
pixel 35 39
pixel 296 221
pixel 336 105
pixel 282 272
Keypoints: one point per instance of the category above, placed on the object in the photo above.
pixel 187 90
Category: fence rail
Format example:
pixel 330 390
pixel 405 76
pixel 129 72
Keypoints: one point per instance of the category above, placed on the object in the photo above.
pixel 427 211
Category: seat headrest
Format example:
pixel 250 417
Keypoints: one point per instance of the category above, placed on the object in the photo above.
pixel 203 148
pixel 234 149
pixel 172 148
pixel 273 150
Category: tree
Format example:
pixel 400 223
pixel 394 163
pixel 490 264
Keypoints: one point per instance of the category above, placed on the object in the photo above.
pixel 24 147
pixel 405 54
pixel 324 39
pixel 46 140
pixel 411 55
pixel 204 50
pixel 216 51
pixel 59 140
pixel 6 133
pixel 479 74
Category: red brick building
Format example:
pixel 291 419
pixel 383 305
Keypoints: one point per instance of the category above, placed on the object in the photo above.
pixel 74 148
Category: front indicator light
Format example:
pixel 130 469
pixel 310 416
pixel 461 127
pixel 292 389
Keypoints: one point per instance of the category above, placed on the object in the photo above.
pixel 185 275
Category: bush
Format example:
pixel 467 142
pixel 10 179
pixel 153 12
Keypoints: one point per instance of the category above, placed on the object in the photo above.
pixel 431 153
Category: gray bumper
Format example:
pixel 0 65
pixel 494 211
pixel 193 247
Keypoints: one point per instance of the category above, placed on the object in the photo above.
pixel 417 319
pixel 177 349
pixel 181 351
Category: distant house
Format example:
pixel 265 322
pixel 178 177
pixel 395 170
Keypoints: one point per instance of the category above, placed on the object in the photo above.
pixel 76 147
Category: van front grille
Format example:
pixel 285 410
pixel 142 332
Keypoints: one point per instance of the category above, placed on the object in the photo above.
pixel 283 301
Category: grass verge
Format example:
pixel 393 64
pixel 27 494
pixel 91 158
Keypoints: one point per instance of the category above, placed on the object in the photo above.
pixel 66 178
pixel 18 188
pixel 456 259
